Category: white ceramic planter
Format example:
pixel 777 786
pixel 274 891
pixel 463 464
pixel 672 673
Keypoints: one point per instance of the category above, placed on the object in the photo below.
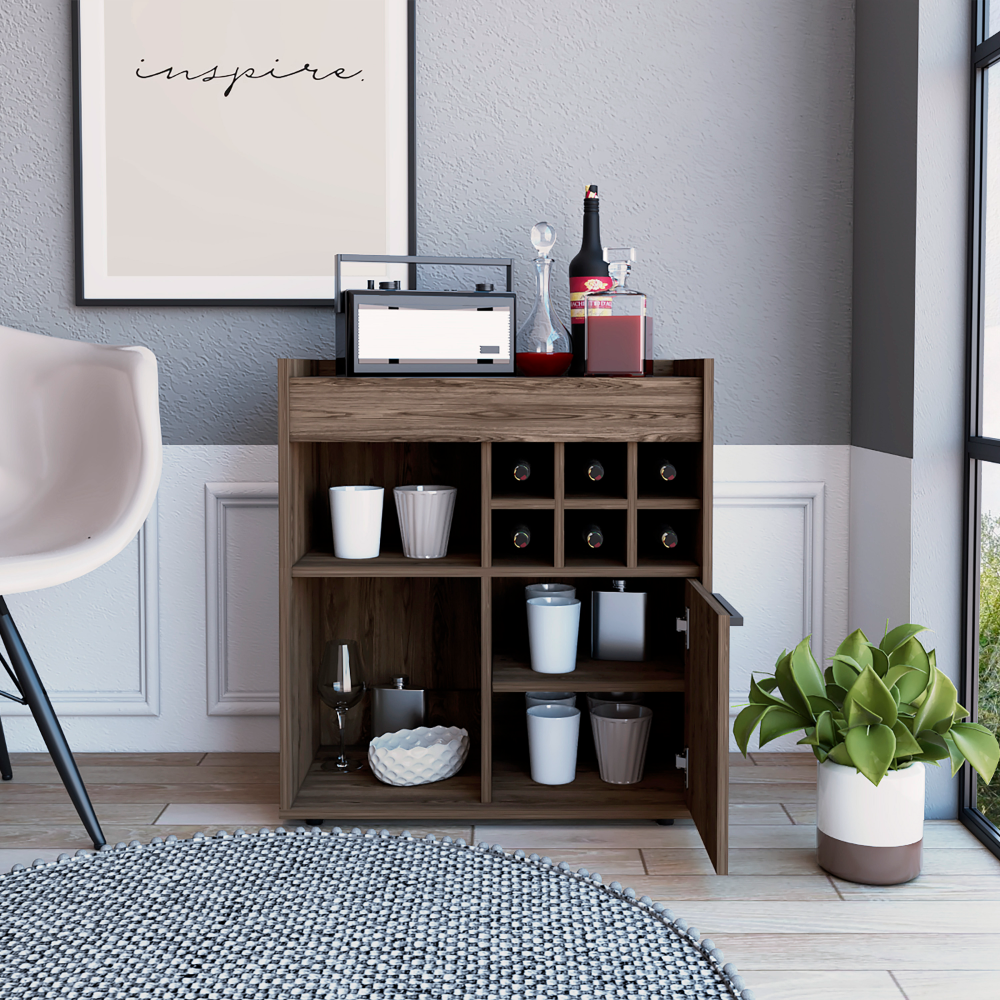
pixel 418 756
pixel 868 834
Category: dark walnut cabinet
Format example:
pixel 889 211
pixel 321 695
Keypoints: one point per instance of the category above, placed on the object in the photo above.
pixel 457 627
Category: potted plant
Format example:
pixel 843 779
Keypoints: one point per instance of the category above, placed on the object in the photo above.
pixel 873 718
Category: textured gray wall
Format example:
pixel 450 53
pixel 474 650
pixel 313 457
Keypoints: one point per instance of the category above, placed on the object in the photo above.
pixel 885 225
pixel 721 136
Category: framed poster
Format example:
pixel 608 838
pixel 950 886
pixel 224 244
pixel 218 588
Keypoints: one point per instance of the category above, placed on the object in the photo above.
pixel 226 150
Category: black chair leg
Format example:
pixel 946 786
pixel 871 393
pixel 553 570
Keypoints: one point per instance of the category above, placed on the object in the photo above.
pixel 41 708
pixel 5 772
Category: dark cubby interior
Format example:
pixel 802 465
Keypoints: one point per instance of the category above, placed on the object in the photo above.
pixel 438 649
pixel 651 523
pixel 613 526
pixel 540 549
pixel 391 464
pixel 614 458
pixel 541 458
pixel 686 459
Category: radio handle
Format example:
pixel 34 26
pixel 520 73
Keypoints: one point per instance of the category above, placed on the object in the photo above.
pixel 338 259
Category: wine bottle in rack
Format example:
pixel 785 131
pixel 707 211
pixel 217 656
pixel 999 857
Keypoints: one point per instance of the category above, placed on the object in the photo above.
pixel 666 537
pixel 593 537
pixel 520 535
pixel 522 470
pixel 595 470
pixel 668 473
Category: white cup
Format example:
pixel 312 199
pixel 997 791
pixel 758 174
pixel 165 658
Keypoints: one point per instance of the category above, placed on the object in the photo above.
pixel 553 735
pixel 357 521
pixel 532 698
pixel 553 630
pixel 549 590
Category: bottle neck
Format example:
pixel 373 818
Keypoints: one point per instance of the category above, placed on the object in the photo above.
pixel 543 265
pixel 592 228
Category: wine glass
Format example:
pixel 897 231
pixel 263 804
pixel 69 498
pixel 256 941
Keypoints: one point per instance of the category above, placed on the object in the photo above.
pixel 342 683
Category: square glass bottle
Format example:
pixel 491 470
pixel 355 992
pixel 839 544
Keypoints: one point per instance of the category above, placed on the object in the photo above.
pixel 615 323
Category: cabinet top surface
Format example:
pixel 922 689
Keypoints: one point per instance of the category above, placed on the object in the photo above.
pixel 654 408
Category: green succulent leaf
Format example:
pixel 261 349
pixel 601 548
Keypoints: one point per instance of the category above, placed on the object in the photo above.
pixel 821 705
pixel 957 758
pixel 846 670
pixel 856 646
pixel 932 746
pixel 825 729
pixel 870 691
pixel 836 694
pixel 938 702
pixel 911 654
pixel 895 673
pixel 872 750
pixel 780 722
pixel 791 691
pixel 880 662
pixel 961 713
pixel 768 684
pixel 900 634
pixel 806 671
pixel 906 743
pixel 820 753
pixel 858 715
pixel 979 747
pixel 839 755
pixel 746 722
pixel 758 696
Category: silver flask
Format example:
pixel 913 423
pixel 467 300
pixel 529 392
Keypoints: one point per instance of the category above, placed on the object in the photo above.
pixel 617 624
pixel 396 707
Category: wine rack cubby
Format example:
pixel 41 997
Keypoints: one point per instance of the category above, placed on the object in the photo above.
pixel 457 625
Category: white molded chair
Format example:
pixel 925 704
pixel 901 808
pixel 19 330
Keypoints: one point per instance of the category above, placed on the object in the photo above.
pixel 80 462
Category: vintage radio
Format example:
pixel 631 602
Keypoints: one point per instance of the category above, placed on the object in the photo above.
pixel 393 331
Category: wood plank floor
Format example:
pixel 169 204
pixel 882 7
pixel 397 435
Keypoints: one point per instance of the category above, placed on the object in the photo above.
pixel 792 930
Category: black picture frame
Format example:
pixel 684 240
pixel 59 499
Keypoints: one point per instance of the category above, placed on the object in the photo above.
pixel 85 296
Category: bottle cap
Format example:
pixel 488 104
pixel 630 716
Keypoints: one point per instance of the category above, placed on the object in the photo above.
pixel 400 682
pixel 619 585
pixel 591 191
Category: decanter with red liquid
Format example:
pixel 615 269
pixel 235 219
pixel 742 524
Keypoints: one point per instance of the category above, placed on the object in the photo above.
pixel 615 323
pixel 544 346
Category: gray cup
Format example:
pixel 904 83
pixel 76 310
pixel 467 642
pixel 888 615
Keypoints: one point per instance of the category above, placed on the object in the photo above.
pixel 621 735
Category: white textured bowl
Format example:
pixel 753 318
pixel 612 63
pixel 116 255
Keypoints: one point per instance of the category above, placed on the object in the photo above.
pixel 425 514
pixel 418 756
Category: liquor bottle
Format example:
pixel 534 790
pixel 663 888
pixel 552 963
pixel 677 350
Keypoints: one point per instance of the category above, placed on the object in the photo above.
pixel 520 535
pixel 522 470
pixel 595 471
pixel 588 272
pixel 593 537
pixel 667 536
pixel 615 322
pixel 668 473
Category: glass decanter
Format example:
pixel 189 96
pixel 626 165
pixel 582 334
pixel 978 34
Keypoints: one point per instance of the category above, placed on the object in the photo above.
pixel 544 346
pixel 615 321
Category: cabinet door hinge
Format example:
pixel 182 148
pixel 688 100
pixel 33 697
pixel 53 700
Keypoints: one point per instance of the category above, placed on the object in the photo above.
pixel 681 761
pixel 684 625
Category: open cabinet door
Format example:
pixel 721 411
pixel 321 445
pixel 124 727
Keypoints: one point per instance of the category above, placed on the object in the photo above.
pixel 706 720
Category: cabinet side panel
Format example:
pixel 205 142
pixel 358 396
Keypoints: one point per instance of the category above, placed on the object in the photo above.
pixel 296 483
pixel 704 368
pixel 706 721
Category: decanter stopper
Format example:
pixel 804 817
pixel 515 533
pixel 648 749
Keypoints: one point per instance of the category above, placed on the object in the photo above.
pixel 619 261
pixel 543 238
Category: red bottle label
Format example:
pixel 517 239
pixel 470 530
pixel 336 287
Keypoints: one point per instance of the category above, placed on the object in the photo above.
pixel 578 288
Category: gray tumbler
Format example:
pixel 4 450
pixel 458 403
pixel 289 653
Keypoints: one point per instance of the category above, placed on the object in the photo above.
pixel 621 735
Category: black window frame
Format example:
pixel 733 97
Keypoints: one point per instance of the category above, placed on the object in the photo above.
pixel 979 449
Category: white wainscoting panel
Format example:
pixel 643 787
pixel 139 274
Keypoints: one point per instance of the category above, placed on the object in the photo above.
pixel 778 545
pixel 95 641
pixel 241 598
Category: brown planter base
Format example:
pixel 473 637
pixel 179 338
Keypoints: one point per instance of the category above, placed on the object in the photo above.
pixel 868 865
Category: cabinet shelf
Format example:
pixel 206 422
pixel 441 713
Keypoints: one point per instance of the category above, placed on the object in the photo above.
pixel 590 676
pixel 522 503
pixel 579 501
pixel 325 564
pixel 668 503
pixel 660 794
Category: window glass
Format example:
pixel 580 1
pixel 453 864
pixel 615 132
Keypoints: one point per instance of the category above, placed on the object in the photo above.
pixel 992 17
pixel 988 796
pixel 991 256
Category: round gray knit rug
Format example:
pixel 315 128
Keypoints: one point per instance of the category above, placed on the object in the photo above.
pixel 315 914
